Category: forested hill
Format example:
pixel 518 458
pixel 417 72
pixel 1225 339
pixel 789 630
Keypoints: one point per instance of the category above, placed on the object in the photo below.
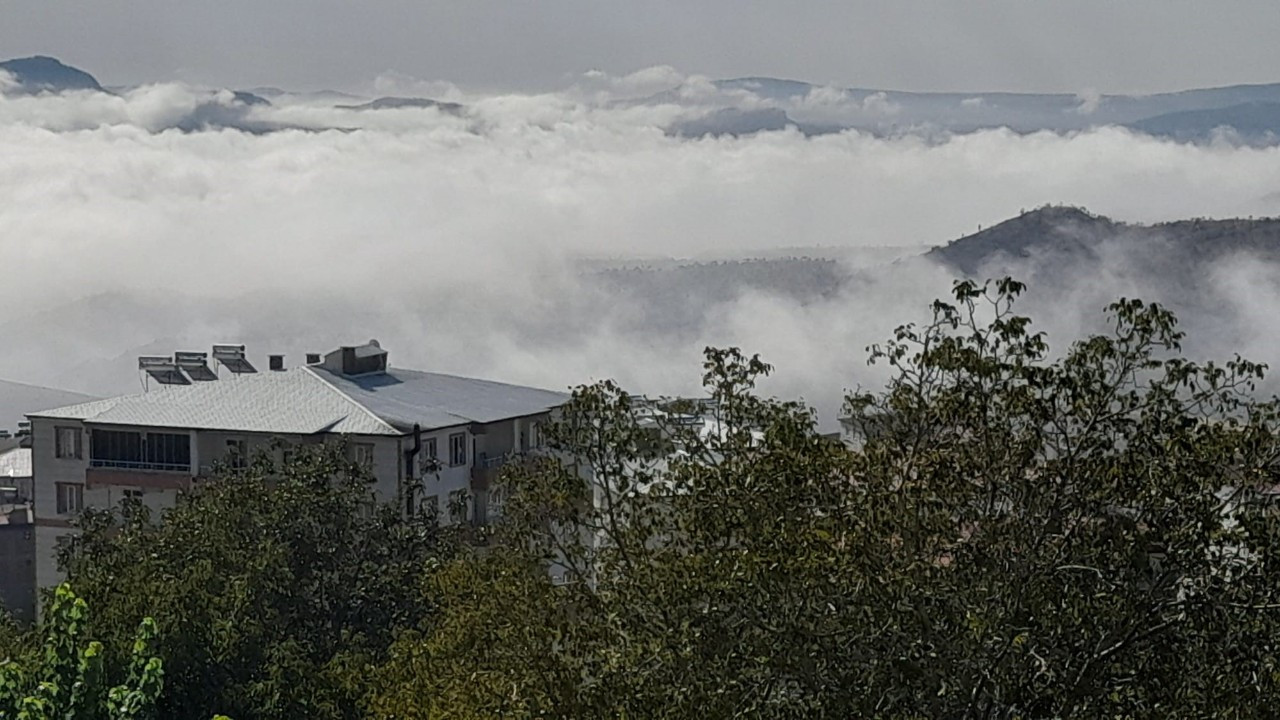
pixel 1072 236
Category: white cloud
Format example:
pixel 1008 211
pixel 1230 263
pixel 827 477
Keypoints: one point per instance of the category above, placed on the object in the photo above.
pixel 397 84
pixel 1090 100
pixel 7 82
pixel 454 240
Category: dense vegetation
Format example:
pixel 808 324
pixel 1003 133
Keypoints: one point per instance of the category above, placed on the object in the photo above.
pixel 1018 534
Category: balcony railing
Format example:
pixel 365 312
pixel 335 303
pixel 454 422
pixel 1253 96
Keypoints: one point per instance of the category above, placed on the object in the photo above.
pixel 141 465
pixel 485 461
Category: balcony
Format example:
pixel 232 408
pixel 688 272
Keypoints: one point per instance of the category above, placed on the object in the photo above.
pixel 141 475
pixel 486 467
pixel 141 465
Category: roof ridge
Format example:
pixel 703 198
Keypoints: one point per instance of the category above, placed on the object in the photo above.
pixel 105 403
pixel 475 379
pixel 351 400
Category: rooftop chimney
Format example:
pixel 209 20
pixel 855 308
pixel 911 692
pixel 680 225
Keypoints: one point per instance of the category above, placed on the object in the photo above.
pixel 364 359
pixel 275 362
pixel 313 358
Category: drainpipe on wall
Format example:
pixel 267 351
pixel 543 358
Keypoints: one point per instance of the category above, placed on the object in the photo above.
pixel 411 455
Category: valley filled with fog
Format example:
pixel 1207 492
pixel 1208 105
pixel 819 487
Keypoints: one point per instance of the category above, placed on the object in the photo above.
pixel 552 239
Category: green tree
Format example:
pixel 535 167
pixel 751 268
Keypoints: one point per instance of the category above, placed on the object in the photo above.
pixel 1017 535
pixel 275 588
pixel 68 679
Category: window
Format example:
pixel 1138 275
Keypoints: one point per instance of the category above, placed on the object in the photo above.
pixel 115 448
pixel 431 506
pixel 497 497
pixel 535 435
pixel 364 455
pixel 168 451
pixel 457 449
pixel 429 458
pixel 70 498
pixel 67 443
pixel 133 494
pixel 237 456
pixel 153 451
pixel 458 506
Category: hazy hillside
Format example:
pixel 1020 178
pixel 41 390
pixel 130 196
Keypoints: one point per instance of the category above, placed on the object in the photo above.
pixel 1256 123
pixel 816 109
pixel 46 74
pixel 18 399
pixel 1068 236
pixel 396 103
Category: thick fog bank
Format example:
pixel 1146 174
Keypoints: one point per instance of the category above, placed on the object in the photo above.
pixel 457 240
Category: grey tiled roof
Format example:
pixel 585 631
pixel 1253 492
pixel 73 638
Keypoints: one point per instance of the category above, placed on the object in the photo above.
pixel 404 398
pixel 15 463
pixel 289 402
pixel 308 400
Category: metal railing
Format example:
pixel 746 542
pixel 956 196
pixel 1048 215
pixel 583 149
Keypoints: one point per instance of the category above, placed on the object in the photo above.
pixel 485 461
pixel 140 465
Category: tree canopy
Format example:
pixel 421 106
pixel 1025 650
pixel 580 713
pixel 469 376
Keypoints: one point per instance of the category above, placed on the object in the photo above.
pixel 274 588
pixel 1017 534
pixel 1012 532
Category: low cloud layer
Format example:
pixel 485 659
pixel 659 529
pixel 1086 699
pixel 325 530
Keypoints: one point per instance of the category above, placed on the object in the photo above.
pixel 459 241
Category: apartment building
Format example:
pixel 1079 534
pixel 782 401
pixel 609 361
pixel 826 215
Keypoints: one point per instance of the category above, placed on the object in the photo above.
pixel 17 532
pixel 156 444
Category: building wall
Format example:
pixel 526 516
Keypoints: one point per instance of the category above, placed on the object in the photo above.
pixel 446 479
pixel 18 571
pixel 210 447
pixel 49 470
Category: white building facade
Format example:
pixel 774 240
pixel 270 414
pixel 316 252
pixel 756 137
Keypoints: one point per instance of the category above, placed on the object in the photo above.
pixel 158 444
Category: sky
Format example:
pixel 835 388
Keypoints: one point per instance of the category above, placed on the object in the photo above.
pixel 458 240
pixel 1073 46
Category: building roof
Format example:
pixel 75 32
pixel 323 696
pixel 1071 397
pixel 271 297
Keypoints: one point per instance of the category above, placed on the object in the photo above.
pixel 404 398
pixel 310 400
pixel 15 463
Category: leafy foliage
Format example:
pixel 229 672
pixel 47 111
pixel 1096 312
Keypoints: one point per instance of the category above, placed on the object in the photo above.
pixel 275 588
pixel 68 679
pixel 1016 535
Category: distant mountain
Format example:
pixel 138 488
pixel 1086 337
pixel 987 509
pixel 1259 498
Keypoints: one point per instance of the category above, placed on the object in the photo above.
pixel 732 121
pixel 1057 240
pixel 18 399
pixel 1255 122
pixel 316 96
pixel 816 108
pixel 395 103
pixel 45 74
pixel 248 98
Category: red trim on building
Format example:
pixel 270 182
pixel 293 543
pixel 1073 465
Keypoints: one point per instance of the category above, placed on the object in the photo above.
pixel 112 477
pixel 53 522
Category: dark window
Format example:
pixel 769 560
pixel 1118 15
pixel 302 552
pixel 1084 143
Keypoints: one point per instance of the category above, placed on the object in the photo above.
pixel 168 451
pixel 115 448
pixel 67 443
pixel 154 451
pixel 70 498
pixel 457 449
pixel 237 454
